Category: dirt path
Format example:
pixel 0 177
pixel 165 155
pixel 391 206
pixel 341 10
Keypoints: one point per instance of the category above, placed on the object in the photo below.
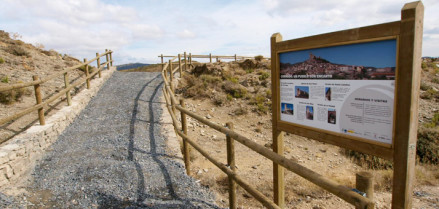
pixel 113 155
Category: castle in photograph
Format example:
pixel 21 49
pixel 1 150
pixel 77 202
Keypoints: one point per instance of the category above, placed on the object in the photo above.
pixel 319 66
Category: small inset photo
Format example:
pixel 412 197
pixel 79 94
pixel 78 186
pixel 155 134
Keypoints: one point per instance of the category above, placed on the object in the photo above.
pixel 302 92
pixel 331 116
pixel 310 112
pixel 287 108
pixel 328 93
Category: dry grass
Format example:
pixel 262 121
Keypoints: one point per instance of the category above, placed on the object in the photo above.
pixel 11 96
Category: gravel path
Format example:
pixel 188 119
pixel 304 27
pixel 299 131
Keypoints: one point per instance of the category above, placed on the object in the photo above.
pixel 113 156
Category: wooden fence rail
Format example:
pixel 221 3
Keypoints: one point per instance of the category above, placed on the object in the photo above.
pixel 66 91
pixel 348 194
pixel 210 56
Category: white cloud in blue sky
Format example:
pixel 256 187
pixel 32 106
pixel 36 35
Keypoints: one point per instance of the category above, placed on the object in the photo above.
pixel 140 30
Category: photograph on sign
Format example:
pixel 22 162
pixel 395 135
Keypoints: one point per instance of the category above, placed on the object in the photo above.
pixel 346 89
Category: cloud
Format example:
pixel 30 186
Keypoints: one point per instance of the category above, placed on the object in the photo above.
pixel 186 34
pixel 141 30
pixel 78 27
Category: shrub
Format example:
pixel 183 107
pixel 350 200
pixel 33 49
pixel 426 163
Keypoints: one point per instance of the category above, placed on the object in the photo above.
pixel 18 51
pixel 424 86
pixel 268 93
pixel 434 121
pixel 427 149
pixel 435 80
pixel 219 99
pixel 4 34
pixel 248 64
pixel 424 65
pixel 210 79
pixel 233 79
pixel 240 111
pixel 91 69
pixel 5 79
pixel 2 60
pixel 234 89
pixel 264 75
pixel 262 108
pixel 201 69
pixel 430 94
pixel 369 161
pixel 259 58
pixel 12 96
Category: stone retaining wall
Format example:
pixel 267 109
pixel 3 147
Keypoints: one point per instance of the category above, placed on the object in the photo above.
pixel 19 155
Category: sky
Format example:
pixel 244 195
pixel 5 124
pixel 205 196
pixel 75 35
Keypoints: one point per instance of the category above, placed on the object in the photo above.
pixel 140 30
pixel 377 54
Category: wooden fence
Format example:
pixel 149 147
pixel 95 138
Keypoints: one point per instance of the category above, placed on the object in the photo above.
pixel 350 195
pixel 210 57
pixel 40 104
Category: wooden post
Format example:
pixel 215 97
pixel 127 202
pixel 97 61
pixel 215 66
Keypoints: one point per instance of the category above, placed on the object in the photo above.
pixel 236 59
pixel 231 163
pixel 185 61
pixel 39 100
pixel 210 57
pixel 107 58
pixel 67 84
pixel 190 59
pixel 87 73
pixel 179 64
pixel 98 63
pixel 364 183
pixel 278 141
pixel 170 72
pixel 111 58
pixel 409 71
pixel 186 151
pixel 163 64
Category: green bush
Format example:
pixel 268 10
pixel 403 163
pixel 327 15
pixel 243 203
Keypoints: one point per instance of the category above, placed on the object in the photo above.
pixel 234 89
pixel 5 79
pixel 233 79
pixel 434 121
pixel 435 80
pixel 424 65
pixel 427 148
pixel 264 75
pixel 2 60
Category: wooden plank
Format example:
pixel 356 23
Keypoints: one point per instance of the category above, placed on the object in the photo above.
pixel 338 139
pixel 341 191
pixel 407 84
pixel 278 142
pixel 386 30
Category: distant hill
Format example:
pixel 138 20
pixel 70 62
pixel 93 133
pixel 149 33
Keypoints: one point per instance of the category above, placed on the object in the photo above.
pixel 131 66
pixel 146 68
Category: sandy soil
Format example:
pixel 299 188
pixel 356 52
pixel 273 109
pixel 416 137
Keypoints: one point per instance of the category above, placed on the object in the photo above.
pixel 325 159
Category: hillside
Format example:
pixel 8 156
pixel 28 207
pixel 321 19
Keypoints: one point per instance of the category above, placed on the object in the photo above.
pixel 19 61
pixel 240 92
pixel 130 66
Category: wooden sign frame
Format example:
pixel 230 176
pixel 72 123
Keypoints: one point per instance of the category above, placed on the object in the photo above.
pixel 402 151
